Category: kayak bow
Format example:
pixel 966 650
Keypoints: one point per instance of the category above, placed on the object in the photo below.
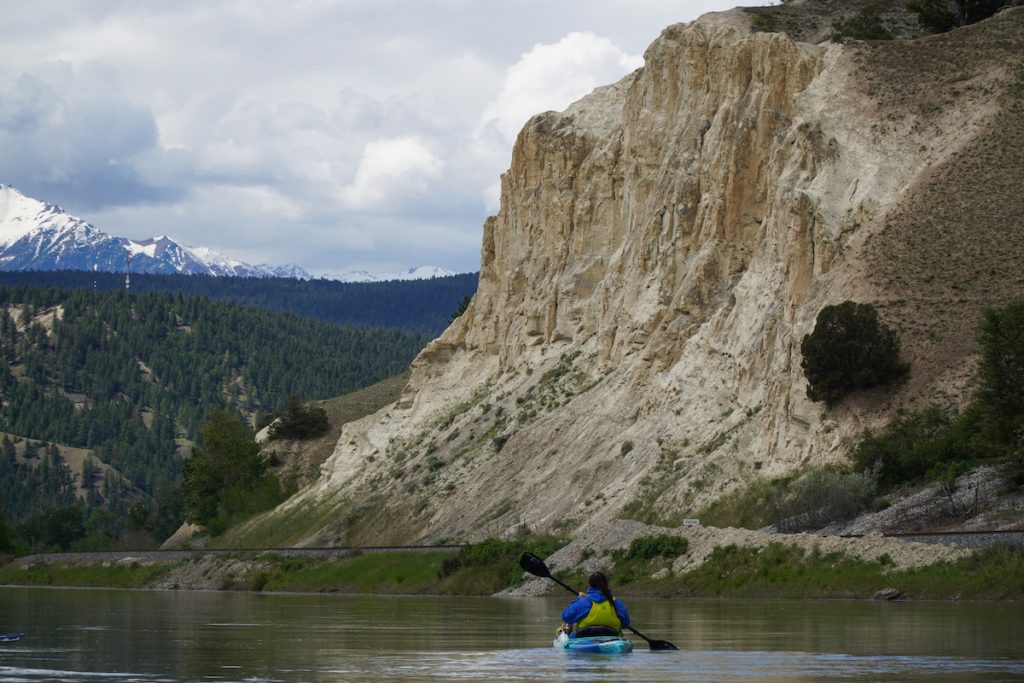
pixel 597 645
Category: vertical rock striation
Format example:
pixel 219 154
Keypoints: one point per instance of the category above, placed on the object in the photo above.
pixel 662 247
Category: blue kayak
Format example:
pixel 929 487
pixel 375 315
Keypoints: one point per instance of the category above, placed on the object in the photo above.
pixel 595 645
pixel 11 637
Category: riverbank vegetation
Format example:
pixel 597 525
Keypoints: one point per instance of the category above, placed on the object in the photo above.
pixel 127 574
pixel 776 571
pixel 780 571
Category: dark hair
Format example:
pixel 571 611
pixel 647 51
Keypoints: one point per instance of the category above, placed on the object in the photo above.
pixel 599 581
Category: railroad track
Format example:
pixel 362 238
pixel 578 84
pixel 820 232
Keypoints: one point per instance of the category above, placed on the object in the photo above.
pixel 960 539
pixel 171 555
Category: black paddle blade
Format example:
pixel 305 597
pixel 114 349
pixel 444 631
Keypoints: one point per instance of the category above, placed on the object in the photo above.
pixel 656 645
pixel 534 565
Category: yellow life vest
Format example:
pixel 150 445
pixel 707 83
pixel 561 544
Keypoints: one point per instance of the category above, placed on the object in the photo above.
pixel 601 614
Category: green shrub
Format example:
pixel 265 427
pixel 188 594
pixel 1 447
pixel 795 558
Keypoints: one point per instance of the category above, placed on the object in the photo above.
pixel 819 497
pixel 259 581
pixel 865 25
pixel 936 16
pixel 760 503
pixel 650 547
pixel 939 16
pixel 298 421
pixel 826 495
pixel 850 349
pixel 499 554
pixel 914 444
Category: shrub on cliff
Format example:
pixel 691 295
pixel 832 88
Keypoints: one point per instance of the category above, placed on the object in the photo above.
pixel 865 25
pixel 850 349
pixel 298 421
pixel 939 16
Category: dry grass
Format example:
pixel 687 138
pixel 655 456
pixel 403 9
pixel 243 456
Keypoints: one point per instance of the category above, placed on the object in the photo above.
pixel 955 243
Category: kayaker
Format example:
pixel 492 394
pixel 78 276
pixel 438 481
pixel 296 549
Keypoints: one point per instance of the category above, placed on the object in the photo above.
pixel 592 613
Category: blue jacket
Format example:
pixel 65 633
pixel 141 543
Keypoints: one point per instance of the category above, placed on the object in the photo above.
pixel 580 607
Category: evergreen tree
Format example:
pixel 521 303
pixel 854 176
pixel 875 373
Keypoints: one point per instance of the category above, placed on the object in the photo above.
pixel 1001 375
pixel 299 421
pixel 849 349
pixel 227 457
pixel 6 542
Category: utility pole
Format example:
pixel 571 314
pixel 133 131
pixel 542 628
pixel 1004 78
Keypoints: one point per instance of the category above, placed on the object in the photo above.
pixel 127 270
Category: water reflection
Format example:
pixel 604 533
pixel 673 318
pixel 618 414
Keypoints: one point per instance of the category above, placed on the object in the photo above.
pixel 90 635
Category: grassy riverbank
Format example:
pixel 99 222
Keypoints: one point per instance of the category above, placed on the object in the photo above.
pixel 786 572
pixel 776 571
pixel 481 569
pixel 106 575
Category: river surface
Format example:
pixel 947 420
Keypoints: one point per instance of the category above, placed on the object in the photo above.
pixel 125 636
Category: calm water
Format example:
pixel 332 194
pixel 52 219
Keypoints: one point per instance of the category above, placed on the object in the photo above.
pixel 99 635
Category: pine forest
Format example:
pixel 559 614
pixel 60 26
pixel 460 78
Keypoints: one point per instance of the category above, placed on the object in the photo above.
pixel 119 384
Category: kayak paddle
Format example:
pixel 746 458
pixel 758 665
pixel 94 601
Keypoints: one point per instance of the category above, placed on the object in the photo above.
pixel 534 565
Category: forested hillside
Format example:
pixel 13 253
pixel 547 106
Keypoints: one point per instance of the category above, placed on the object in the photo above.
pixel 129 379
pixel 418 306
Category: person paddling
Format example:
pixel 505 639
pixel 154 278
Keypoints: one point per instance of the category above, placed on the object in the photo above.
pixel 596 612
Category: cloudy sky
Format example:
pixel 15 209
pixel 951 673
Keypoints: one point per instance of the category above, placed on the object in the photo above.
pixel 335 134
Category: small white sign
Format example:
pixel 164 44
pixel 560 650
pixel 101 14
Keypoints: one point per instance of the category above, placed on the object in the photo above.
pixel 691 522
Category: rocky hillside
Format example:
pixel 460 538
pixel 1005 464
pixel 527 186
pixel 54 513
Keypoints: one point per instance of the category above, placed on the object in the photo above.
pixel 663 246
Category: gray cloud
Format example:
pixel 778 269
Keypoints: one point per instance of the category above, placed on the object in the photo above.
pixel 338 134
pixel 70 134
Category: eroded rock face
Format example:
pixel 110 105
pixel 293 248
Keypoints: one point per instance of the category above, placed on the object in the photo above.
pixel 662 247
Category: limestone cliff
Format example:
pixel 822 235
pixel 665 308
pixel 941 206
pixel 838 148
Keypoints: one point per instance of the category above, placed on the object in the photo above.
pixel 662 247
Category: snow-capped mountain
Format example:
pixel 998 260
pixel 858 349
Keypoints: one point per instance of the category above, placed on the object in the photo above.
pixel 35 235
pixel 418 273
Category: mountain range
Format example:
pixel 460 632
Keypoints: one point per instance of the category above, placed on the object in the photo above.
pixel 35 235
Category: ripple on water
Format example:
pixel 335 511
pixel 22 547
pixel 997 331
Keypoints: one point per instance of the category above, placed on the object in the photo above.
pixel 643 666
pixel 13 674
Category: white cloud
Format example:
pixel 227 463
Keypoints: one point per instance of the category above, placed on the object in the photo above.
pixel 548 77
pixel 392 168
pixel 551 77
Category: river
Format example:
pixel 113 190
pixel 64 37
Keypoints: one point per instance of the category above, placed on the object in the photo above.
pixel 150 636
